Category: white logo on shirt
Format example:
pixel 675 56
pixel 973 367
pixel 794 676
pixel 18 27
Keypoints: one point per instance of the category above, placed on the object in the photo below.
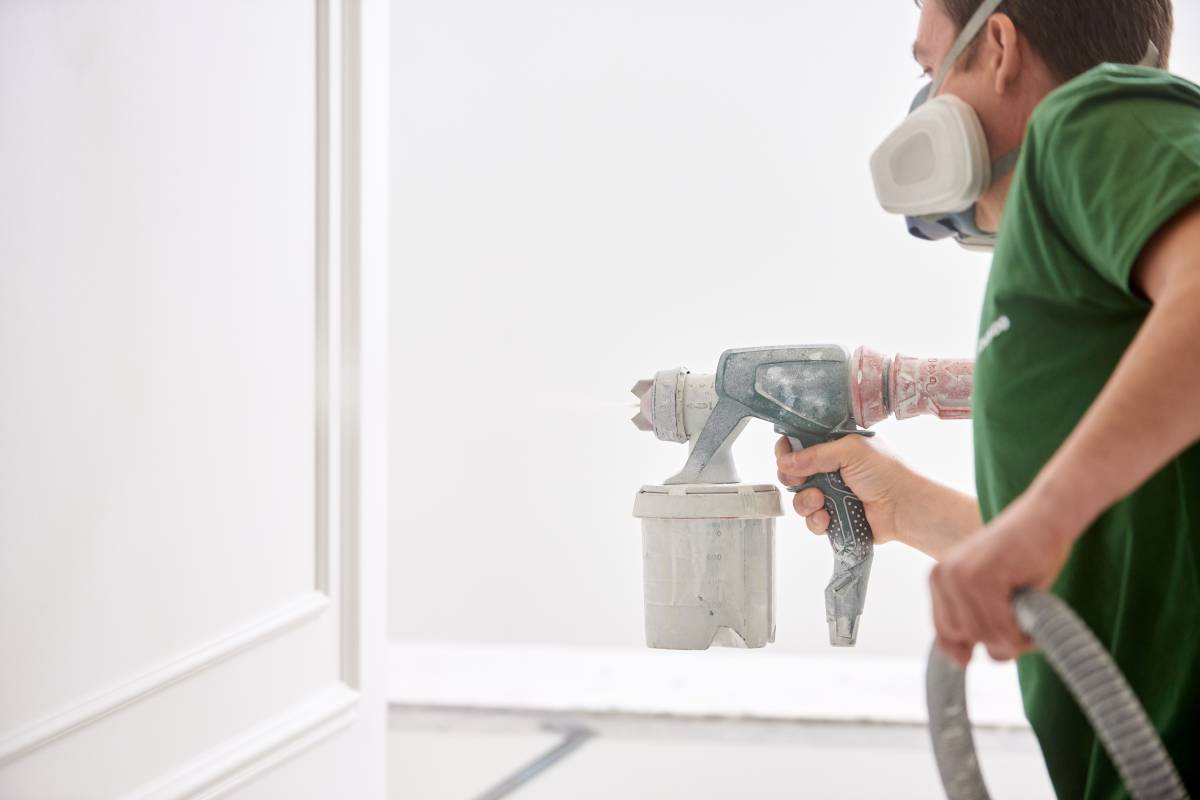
pixel 995 329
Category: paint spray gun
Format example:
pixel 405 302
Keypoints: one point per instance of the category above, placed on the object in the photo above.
pixel 709 540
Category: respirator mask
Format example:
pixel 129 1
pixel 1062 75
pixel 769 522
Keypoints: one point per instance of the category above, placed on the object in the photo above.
pixel 935 166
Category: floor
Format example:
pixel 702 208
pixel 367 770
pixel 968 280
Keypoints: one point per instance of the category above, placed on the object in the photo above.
pixel 448 755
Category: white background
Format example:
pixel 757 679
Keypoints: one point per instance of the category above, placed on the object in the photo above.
pixel 586 192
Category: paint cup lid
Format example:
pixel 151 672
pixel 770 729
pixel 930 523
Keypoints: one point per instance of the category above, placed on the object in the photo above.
pixel 708 501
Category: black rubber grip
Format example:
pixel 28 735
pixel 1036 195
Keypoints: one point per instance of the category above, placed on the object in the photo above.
pixel 853 546
pixel 849 532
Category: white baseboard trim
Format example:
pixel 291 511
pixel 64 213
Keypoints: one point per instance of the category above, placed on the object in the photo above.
pixel 259 749
pixel 715 684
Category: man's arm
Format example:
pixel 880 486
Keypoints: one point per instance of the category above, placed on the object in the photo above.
pixel 1145 416
pixel 935 518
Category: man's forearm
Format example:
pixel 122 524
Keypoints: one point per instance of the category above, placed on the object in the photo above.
pixel 933 518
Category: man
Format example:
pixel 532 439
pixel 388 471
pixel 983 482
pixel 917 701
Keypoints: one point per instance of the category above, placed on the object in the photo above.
pixel 1087 384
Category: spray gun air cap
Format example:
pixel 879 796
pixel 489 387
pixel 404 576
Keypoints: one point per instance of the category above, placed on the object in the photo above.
pixel 660 404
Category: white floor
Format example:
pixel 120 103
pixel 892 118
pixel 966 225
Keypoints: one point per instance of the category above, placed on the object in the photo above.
pixel 718 683
pixel 442 755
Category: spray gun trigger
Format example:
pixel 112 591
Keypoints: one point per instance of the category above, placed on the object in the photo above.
pixel 831 434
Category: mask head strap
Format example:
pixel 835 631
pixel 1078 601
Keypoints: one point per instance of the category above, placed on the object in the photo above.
pixel 969 32
pixel 1153 57
pixel 1005 163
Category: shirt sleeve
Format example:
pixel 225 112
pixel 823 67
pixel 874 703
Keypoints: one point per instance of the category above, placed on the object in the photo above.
pixel 1114 169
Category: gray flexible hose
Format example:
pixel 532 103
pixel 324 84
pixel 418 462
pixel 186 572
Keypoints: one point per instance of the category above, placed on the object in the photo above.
pixel 1093 679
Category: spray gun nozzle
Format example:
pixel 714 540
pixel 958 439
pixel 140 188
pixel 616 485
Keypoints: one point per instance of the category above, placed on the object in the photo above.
pixel 644 391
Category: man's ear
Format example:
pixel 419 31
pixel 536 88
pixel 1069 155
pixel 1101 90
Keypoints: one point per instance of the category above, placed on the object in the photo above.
pixel 1004 52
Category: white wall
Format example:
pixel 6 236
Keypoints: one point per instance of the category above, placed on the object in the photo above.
pixel 586 192
pixel 192 350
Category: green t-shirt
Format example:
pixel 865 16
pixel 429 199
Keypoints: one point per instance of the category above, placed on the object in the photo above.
pixel 1108 159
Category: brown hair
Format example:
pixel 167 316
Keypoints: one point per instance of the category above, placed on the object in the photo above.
pixel 1072 36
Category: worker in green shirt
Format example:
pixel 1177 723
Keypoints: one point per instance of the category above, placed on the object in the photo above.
pixel 1053 132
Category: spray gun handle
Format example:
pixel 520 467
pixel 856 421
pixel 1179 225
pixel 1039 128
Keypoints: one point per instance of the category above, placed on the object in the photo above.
pixel 853 545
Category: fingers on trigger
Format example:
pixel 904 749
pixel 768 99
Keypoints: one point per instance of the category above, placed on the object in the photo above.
pixel 788 479
pixel 812 498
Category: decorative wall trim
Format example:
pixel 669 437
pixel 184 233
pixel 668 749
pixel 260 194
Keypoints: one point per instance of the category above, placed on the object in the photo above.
pixel 71 718
pixel 322 296
pixel 350 357
pixel 259 749
pixel 337 579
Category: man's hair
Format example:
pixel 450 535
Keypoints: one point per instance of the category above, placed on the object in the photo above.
pixel 1072 36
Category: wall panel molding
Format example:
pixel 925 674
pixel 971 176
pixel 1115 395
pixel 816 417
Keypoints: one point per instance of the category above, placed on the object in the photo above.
pixel 27 738
pixel 337 582
pixel 259 749
pixel 350 372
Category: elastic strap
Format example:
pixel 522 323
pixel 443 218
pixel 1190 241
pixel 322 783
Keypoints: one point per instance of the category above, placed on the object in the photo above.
pixel 969 32
pixel 1005 163
pixel 1152 58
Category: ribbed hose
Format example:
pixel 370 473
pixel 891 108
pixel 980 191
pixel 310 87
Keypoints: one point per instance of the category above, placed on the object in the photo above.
pixel 1097 685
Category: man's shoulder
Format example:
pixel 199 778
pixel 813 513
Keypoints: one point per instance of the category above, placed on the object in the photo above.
pixel 1112 91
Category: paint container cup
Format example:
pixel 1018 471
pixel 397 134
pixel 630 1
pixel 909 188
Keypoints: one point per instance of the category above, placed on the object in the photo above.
pixel 708 564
